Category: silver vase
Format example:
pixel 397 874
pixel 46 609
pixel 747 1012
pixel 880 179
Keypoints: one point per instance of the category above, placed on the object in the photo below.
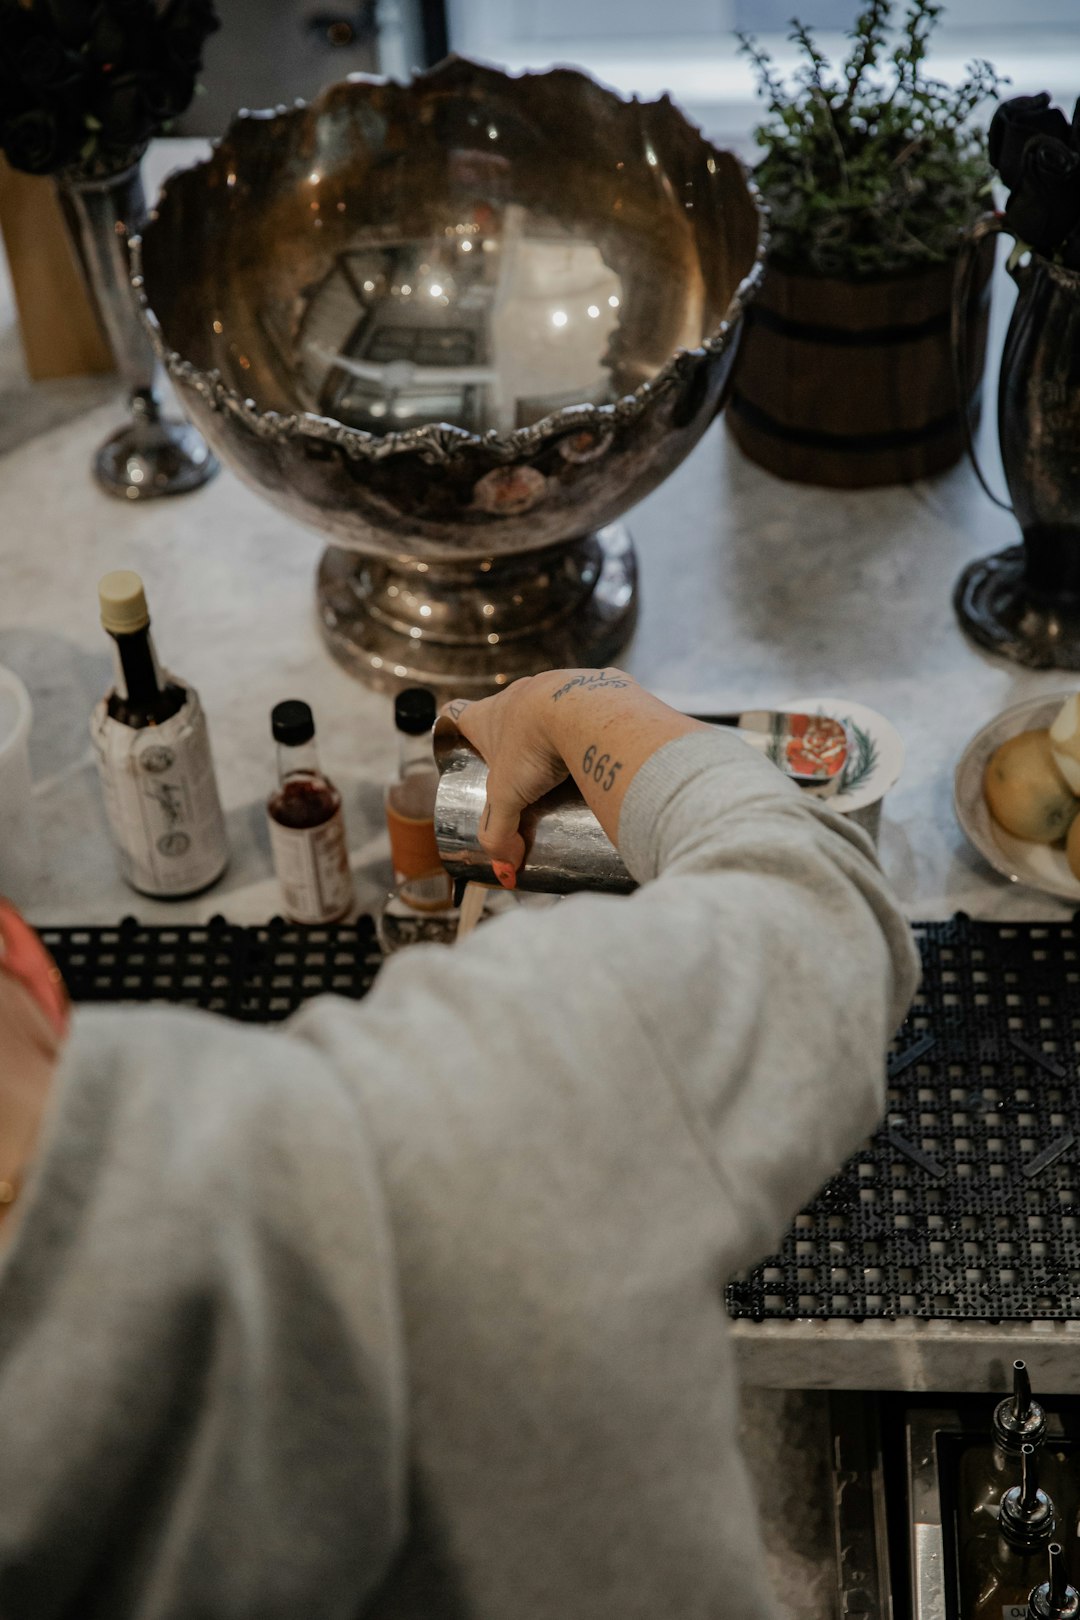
pixel 150 456
pixel 1024 603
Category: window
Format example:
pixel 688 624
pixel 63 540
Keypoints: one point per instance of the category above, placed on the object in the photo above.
pixel 686 47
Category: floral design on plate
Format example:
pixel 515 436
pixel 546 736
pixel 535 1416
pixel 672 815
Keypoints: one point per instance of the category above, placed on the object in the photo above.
pixel 862 755
pixel 875 750
pixel 805 744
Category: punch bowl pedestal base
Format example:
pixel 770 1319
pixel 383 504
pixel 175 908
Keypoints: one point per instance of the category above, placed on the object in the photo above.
pixel 397 624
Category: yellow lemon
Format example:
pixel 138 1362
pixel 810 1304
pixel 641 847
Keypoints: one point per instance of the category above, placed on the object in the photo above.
pixel 1026 792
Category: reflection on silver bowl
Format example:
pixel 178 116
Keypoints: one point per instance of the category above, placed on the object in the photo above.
pixel 458 326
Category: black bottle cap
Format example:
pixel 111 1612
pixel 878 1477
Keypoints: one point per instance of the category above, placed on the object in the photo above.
pixel 292 723
pixel 414 711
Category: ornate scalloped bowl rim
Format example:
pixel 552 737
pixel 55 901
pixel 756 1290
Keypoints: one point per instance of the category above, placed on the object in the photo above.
pixel 440 441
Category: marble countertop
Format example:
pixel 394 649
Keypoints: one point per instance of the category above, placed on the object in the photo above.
pixel 751 589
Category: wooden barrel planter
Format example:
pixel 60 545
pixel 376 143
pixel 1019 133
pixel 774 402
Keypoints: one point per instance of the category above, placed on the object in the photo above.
pixel 850 384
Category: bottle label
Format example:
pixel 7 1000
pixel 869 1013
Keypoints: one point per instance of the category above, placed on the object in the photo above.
pixel 161 799
pixel 312 864
pixel 1015 1611
pixel 420 877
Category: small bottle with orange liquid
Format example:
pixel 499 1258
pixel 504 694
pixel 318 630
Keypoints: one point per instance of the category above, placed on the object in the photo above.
pixel 422 904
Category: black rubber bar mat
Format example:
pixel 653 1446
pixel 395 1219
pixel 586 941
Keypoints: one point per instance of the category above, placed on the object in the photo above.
pixel 258 975
pixel 966 1203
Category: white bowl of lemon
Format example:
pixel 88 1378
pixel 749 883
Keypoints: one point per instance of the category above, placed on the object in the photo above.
pixel 1017 794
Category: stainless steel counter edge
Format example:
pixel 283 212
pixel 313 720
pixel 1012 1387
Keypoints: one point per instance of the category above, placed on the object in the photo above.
pixel 908 1355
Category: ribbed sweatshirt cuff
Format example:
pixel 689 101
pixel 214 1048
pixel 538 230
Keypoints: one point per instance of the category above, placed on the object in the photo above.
pixel 671 770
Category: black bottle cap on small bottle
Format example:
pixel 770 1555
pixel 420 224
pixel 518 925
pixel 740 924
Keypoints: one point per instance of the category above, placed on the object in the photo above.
pixel 292 723
pixel 414 711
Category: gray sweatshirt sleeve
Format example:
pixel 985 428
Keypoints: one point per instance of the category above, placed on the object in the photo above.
pixel 774 909
pixel 511 1184
pixel 202 1404
pixel 585 1121
pixel 757 976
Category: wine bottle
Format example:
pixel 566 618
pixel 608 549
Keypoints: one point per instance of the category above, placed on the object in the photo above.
pixel 153 753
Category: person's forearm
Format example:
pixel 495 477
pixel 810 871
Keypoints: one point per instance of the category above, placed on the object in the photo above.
pixel 605 728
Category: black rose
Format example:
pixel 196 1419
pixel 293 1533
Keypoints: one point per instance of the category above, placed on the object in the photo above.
pixel 187 25
pixel 1045 206
pixel 169 94
pixel 1012 127
pixel 71 19
pixel 37 141
pixel 17 30
pixel 125 115
pixel 44 64
pixel 109 40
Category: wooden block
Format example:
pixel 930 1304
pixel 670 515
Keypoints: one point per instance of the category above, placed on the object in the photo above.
pixel 472 908
pixel 61 336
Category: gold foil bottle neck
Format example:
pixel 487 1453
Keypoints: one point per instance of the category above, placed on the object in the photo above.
pixel 123 602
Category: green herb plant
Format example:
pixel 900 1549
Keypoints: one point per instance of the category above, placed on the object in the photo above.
pixel 873 168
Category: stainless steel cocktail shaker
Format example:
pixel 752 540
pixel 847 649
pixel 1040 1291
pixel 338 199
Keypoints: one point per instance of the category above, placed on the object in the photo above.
pixel 566 847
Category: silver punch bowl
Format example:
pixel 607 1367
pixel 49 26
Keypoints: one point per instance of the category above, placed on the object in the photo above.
pixel 457 326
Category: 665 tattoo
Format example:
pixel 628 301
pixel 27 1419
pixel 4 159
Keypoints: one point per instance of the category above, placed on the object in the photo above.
pixel 601 767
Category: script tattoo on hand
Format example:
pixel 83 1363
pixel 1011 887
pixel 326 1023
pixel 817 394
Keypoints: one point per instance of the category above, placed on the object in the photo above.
pixel 594 679
pixel 601 767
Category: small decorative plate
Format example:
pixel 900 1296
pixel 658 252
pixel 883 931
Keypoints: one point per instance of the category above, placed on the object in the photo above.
pixel 875 750
pixel 1040 866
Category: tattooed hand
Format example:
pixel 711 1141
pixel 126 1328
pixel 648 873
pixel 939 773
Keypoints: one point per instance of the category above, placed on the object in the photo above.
pixel 600 768
pixel 595 724
pixel 523 762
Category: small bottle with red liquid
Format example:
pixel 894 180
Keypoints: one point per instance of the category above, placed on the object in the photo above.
pixel 307 828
